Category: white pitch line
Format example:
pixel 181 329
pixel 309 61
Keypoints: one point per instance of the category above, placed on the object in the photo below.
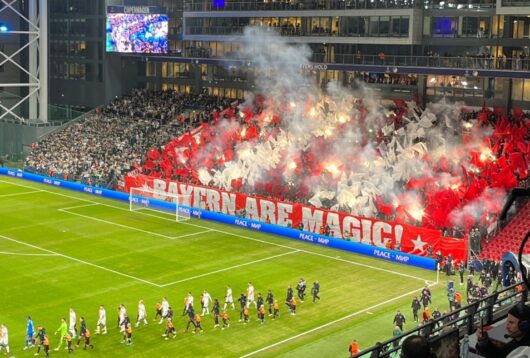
pixel 229 268
pixel 17 194
pixel 192 234
pixel 116 224
pixel 77 207
pixel 229 233
pixel 328 324
pixel 23 254
pixel 80 261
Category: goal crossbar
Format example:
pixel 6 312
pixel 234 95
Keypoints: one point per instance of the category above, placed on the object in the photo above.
pixel 168 203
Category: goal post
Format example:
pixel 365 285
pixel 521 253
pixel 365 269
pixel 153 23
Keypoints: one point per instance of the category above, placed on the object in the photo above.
pixel 167 203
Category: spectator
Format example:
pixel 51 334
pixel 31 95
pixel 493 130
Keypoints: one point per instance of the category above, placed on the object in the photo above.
pixel 518 329
pixel 416 347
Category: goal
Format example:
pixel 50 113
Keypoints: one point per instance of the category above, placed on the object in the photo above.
pixel 149 199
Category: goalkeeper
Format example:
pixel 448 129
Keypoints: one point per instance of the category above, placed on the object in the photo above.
pixel 63 329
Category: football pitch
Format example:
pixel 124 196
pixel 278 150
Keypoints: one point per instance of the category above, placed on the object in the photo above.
pixel 62 249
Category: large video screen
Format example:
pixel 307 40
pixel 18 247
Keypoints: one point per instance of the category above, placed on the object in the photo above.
pixel 137 33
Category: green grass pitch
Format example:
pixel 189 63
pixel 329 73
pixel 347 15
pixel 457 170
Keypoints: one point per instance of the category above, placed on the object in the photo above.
pixel 62 249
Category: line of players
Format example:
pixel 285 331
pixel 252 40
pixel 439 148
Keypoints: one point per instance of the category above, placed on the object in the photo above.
pixel 164 312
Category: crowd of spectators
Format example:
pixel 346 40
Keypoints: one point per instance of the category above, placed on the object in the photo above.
pixel 104 145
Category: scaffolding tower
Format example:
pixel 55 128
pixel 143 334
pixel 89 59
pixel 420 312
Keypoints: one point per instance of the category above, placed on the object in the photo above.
pixel 34 41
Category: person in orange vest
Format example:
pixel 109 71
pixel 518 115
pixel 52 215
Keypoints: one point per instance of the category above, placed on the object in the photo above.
pixel 226 320
pixel 87 340
pixel 46 346
pixel 245 315
pixel 293 305
pixel 170 329
pixel 261 314
pixel 69 342
pixel 198 320
pixel 276 310
pixel 426 315
pixel 158 311
pixel 321 231
pixel 127 334
pixel 353 348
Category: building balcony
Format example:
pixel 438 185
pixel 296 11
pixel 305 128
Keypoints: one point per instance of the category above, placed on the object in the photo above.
pixel 279 5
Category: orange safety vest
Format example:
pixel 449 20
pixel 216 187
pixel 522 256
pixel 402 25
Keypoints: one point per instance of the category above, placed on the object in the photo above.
pixel 129 329
pixel 354 348
pixel 87 333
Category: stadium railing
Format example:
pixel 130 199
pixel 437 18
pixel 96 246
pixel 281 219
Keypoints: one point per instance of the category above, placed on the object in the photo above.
pixel 465 320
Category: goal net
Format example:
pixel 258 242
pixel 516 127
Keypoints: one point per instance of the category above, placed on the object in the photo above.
pixel 149 199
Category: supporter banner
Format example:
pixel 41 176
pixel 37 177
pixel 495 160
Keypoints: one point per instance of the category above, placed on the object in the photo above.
pixel 409 239
pixel 382 253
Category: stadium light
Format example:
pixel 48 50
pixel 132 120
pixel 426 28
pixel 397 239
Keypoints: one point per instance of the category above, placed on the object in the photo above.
pixel 4 28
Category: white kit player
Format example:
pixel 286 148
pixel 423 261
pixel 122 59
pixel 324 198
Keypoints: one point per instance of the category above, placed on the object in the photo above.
pixel 4 338
pixel 250 295
pixel 72 328
pixel 122 314
pixel 229 299
pixel 206 299
pixel 142 314
pixel 102 320
pixel 165 309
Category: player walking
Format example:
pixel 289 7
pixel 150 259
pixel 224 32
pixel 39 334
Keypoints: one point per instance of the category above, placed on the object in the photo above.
pixel 216 311
pixel 4 338
pixel 270 301
pixel 205 301
pixel 229 298
pixel 250 295
pixel 63 329
pixel 122 313
pixel 315 290
pixel 102 320
pixel 142 314
pixel 73 323
pixel 289 297
pixel 301 287
pixel 30 331
pixel 242 304
pixel 82 331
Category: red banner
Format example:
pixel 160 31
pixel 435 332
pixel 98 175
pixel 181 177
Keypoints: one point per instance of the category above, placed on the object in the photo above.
pixel 408 238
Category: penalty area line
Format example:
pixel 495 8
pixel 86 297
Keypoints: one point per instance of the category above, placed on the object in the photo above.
pixel 227 233
pixel 23 254
pixel 18 194
pixel 365 310
pixel 80 261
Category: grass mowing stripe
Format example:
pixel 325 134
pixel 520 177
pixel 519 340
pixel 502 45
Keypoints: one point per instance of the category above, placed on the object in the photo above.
pixel 230 233
pixel 117 224
pixel 230 268
pixel 17 194
pixel 329 323
pixel 80 261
